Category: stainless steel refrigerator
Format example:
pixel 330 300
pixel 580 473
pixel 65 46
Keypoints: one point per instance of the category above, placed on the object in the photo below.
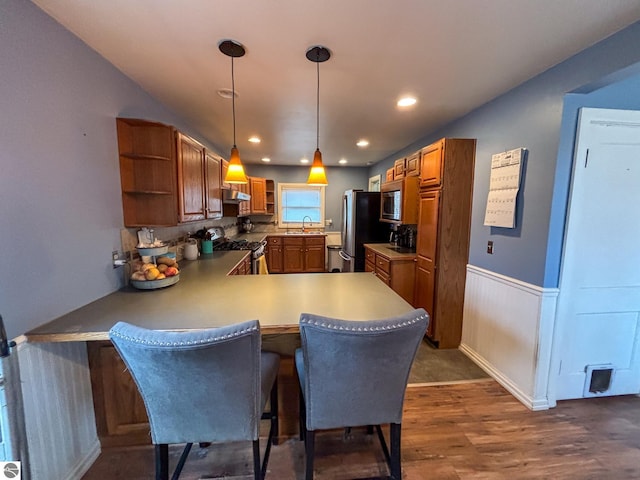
pixel 360 224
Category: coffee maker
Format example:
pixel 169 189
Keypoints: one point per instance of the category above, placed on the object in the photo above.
pixel 406 236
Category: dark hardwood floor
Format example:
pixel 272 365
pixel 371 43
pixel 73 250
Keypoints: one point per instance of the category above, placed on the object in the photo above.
pixel 473 430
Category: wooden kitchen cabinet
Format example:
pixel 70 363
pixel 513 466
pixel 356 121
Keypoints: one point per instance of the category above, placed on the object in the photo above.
pixel 166 177
pixel 213 186
pixel 314 260
pixel 443 237
pixel 398 272
pixel 191 183
pixel 223 174
pixel 398 168
pixel 147 173
pixel 412 165
pixel 258 192
pixel 296 253
pixel 431 163
pixel 389 175
pixel 271 196
pixel 242 268
pixel 244 207
pixel 275 254
pixel 121 418
pixel 293 254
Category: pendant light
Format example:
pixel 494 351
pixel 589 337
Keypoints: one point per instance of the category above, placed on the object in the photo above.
pixel 235 172
pixel 317 175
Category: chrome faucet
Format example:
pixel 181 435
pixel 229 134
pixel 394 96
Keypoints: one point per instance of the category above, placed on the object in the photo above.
pixel 303 219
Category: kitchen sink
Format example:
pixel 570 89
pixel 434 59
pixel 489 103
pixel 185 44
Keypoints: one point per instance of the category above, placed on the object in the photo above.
pixel 300 232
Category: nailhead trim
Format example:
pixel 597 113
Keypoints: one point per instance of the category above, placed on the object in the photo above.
pixel 190 342
pixel 394 326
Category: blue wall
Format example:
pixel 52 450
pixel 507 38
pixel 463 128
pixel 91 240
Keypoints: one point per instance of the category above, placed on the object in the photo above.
pixel 60 205
pixel 534 116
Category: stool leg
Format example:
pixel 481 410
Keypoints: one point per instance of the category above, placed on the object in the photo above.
pixel 162 461
pixel 274 412
pixel 257 471
pixel 396 467
pixel 309 444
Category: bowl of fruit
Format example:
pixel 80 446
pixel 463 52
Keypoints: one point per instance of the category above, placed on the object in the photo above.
pixel 150 276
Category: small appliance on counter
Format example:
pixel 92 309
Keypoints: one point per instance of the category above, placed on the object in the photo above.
pixel 247 226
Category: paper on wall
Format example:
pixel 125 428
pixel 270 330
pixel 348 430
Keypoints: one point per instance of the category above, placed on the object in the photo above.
pixel 506 168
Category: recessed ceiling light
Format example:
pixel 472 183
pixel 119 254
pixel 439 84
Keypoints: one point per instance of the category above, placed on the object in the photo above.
pixel 363 143
pixel 266 159
pixel 407 101
pixel 342 161
pixel 254 139
pixel 226 93
pixel 304 160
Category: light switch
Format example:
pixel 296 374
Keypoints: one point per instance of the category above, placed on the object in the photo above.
pixel 490 247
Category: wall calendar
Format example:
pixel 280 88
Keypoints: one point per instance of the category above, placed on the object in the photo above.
pixel 506 169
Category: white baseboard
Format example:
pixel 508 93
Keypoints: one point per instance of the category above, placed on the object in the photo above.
pixel 512 388
pixel 84 464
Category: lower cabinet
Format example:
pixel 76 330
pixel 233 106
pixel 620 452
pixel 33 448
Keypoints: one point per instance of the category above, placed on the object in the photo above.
pixel 296 253
pixel 121 418
pixel 275 255
pixel 397 271
pixel 243 268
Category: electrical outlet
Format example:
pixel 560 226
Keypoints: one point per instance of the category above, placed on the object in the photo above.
pixel 490 247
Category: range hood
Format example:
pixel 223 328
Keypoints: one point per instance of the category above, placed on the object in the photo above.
pixel 234 196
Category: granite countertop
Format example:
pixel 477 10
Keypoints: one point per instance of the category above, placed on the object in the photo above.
pixel 390 252
pixel 207 297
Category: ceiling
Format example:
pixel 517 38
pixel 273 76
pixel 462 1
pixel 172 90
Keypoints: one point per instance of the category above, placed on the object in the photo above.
pixel 452 55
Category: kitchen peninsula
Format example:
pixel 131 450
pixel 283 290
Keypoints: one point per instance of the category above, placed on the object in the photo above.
pixel 206 296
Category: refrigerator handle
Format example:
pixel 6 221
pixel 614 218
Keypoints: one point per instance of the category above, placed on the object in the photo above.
pixel 343 233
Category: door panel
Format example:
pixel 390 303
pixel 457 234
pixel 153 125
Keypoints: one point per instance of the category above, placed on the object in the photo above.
pixel 428 221
pixel 599 303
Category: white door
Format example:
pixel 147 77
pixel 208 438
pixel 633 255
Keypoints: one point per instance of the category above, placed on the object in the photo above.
pixel 598 314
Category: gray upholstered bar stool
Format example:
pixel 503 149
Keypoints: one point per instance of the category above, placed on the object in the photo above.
pixel 355 373
pixel 202 386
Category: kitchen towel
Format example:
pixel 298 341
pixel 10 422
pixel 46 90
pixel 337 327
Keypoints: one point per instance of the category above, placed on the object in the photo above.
pixel 262 265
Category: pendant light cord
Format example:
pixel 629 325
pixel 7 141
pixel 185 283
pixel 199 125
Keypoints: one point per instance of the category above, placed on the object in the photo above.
pixel 318 103
pixel 233 102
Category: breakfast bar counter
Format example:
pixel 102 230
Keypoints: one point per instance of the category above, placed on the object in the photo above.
pixel 206 297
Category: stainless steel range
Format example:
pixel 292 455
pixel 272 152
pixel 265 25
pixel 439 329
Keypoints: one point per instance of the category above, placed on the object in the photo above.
pixel 221 242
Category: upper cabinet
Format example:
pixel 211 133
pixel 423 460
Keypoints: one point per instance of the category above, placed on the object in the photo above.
pixel 190 179
pixel 166 177
pixel 147 173
pixel 431 165
pixel 412 165
pixel 213 190
pixel 258 189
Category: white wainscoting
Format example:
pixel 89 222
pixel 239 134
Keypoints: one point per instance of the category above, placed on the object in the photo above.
pixel 508 331
pixel 58 409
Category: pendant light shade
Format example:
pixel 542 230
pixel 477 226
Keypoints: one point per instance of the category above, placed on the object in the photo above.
pixel 235 172
pixel 317 175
